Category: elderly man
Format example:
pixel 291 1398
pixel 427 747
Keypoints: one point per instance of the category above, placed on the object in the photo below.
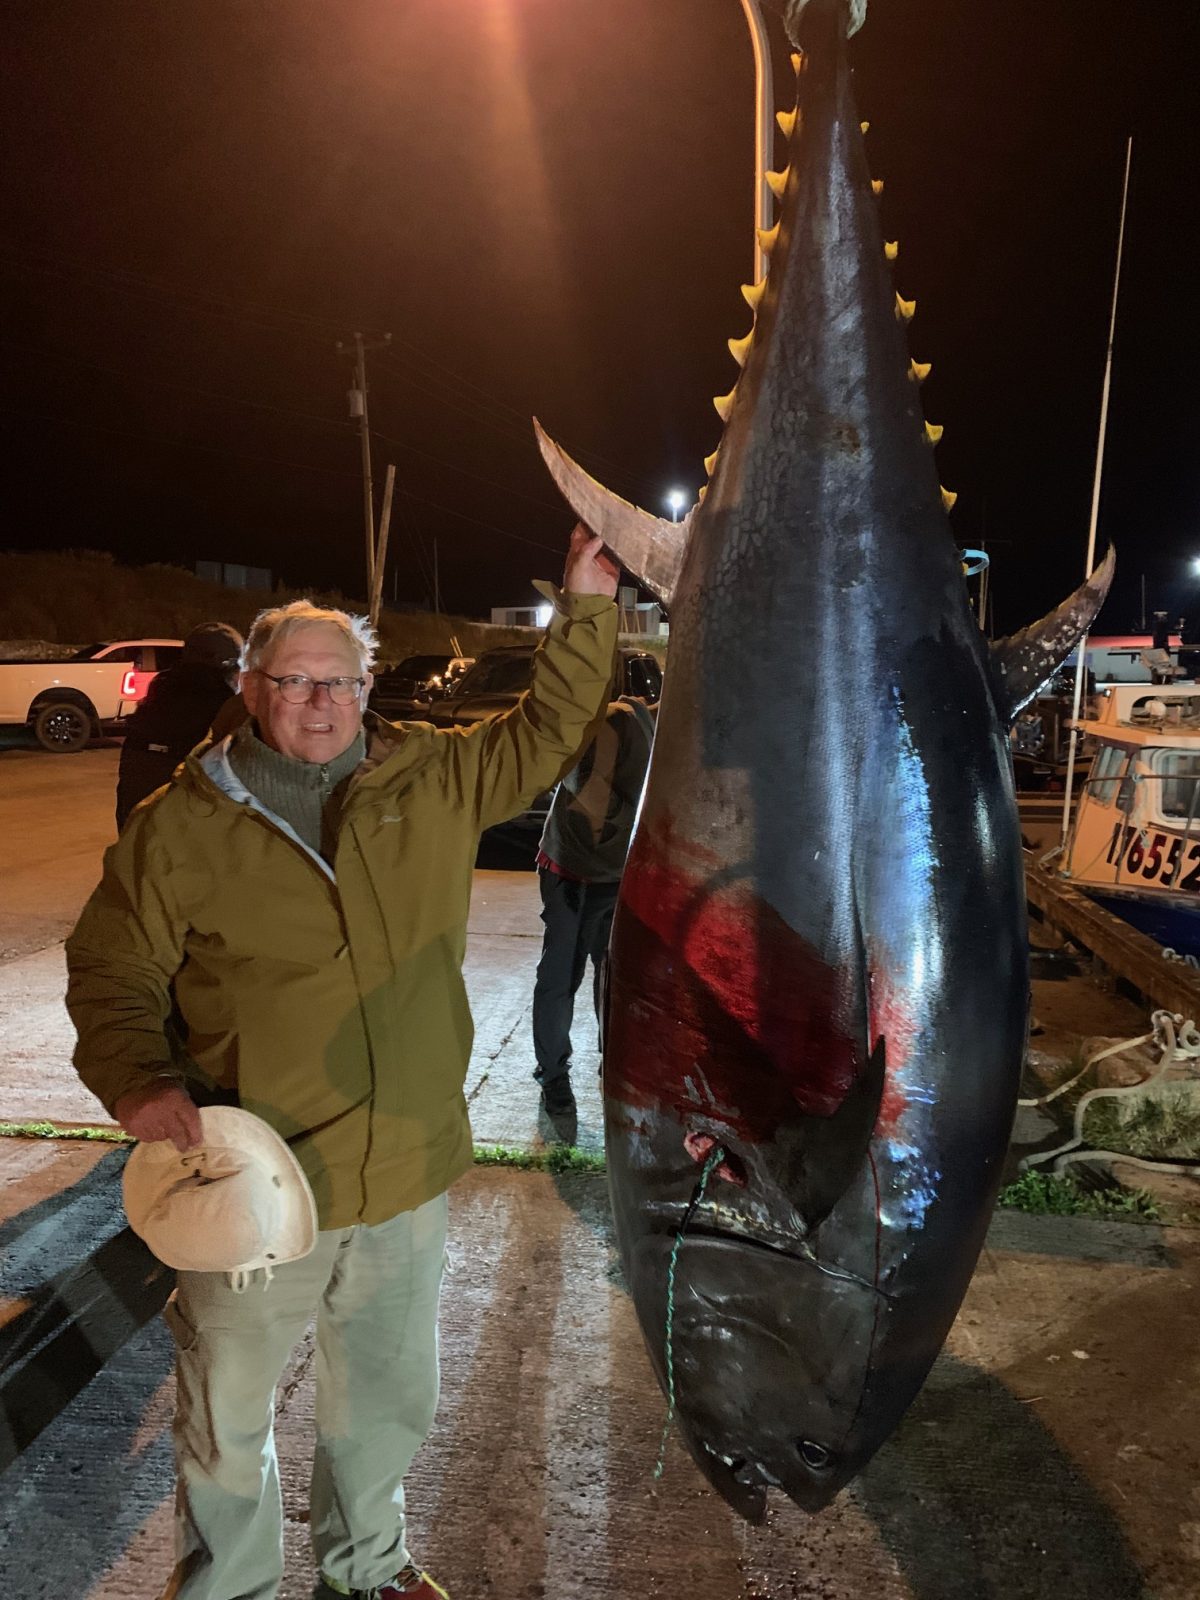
pixel 284 928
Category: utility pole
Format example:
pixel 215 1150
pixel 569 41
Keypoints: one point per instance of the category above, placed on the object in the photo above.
pixel 358 408
pixel 385 521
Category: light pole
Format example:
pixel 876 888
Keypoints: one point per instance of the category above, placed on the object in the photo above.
pixel 676 500
pixel 764 129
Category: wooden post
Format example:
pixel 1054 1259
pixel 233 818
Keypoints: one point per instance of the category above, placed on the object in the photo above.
pixel 385 517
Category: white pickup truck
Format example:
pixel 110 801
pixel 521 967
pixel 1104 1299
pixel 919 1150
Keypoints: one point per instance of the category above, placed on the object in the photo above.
pixel 68 702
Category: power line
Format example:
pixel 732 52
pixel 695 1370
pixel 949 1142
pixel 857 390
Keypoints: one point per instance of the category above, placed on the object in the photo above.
pixel 142 283
pixel 538 544
pixel 477 403
pixel 172 443
pixel 466 472
pixel 171 383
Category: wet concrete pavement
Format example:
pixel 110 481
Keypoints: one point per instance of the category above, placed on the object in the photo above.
pixel 1052 1454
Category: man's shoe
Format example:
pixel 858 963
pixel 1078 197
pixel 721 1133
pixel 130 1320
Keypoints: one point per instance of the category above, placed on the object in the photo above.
pixel 408 1584
pixel 558 1107
pixel 558 1097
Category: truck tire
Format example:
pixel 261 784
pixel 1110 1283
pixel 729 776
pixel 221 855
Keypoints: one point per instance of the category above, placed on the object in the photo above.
pixel 62 727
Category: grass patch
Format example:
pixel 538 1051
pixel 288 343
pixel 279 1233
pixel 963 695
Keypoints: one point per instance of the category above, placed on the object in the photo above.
pixel 1161 1125
pixel 554 1158
pixel 54 1130
pixel 1046 1194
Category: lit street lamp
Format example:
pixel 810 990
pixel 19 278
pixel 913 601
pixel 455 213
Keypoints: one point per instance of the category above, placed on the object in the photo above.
pixel 676 500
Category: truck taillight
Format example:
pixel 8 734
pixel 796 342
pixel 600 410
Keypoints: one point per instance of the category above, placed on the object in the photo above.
pixel 129 685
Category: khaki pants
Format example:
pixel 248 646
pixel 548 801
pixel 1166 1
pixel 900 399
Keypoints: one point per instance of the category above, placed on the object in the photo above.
pixel 375 1294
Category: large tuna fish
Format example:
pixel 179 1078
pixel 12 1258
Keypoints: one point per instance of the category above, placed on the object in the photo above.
pixel 819 959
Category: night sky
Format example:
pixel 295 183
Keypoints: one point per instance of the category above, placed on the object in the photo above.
pixel 548 204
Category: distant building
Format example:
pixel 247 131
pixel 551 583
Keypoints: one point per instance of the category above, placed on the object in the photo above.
pixel 637 616
pixel 536 616
pixel 641 616
pixel 234 575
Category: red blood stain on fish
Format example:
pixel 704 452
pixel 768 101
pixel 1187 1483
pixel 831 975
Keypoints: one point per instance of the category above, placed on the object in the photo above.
pixel 890 1013
pixel 719 1008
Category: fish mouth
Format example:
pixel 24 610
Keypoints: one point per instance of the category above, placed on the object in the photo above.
pixel 768 1357
pixel 734 1478
pixel 743 1482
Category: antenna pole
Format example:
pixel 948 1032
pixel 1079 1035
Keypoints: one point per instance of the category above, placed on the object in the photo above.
pixel 1081 661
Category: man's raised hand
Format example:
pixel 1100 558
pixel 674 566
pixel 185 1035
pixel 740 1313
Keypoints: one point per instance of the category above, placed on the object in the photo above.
pixel 591 566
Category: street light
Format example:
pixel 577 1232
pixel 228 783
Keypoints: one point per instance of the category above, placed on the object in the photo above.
pixel 1196 565
pixel 676 500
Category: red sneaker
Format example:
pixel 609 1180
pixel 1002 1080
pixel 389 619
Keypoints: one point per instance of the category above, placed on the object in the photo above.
pixel 408 1584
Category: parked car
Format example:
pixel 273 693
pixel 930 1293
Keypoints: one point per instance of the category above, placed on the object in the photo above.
pixel 408 690
pixel 68 702
pixel 500 677
pixel 496 682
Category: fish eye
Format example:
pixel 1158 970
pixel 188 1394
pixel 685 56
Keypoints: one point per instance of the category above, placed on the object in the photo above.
pixel 815 1456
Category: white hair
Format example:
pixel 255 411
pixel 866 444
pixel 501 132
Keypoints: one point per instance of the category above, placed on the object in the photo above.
pixel 271 627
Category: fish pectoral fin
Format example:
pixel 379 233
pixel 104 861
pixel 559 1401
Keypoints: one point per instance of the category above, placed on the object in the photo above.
pixel 649 547
pixel 1023 662
pixel 833 1148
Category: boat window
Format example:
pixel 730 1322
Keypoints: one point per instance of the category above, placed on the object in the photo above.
pixel 1103 780
pixel 1180 774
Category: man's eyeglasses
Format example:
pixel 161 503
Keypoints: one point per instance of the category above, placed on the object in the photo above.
pixel 297 688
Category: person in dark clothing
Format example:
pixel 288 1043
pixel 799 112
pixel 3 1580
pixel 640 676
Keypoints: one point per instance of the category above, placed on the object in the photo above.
pixel 582 857
pixel 180 707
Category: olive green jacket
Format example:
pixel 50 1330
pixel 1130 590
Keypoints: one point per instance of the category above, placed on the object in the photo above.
pixel 327 999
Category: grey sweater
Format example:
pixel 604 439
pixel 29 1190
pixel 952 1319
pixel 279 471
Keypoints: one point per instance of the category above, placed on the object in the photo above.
pixel 298 791
pixel 592 814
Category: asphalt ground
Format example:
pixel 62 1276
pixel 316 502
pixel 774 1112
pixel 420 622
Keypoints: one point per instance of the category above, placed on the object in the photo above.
pixel 1051 1456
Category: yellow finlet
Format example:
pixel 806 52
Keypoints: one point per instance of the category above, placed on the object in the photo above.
pixel 918 371
pixel 891 248
pixel 864 128
pixel 777 182
pixel 798 61
pixel 787 121
pixel 876 185
pixel 934 432
pixel 752 293
pixel 905 309
pixel 724 403
pixel 704 491
pixel 768 238
pixel 949 497
pixel 710 462
pixel 739 349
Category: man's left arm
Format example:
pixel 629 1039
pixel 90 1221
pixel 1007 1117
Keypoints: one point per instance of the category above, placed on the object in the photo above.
pixel 527 750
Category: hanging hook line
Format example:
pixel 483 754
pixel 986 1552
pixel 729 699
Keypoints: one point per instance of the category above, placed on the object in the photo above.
pixel 715 1156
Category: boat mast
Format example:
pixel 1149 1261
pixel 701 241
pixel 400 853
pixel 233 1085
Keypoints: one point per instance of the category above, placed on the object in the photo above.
pixel 1081 662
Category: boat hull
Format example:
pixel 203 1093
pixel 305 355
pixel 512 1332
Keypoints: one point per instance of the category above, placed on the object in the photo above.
pixel 1171 923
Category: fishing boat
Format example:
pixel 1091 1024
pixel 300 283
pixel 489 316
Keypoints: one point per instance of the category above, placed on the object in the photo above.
pixel 1134 845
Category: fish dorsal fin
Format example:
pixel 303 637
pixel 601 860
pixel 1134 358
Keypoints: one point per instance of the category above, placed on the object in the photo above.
pixel 1024 661
pixel 651 548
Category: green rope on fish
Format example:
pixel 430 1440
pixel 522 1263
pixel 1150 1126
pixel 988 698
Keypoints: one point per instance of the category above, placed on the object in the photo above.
pixel 715 1156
